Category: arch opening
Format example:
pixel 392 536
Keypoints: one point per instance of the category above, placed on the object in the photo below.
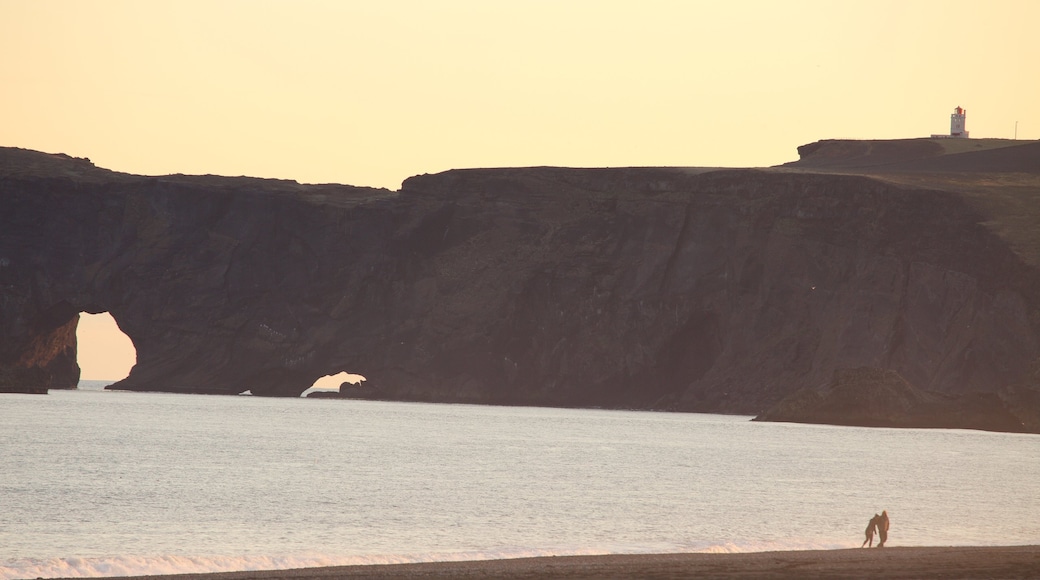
pixel 105 354
pixel 332 382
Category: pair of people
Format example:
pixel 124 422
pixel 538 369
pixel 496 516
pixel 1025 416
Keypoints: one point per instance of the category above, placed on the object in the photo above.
pixel 878 523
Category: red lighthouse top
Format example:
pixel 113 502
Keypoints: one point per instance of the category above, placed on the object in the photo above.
pixel 959 111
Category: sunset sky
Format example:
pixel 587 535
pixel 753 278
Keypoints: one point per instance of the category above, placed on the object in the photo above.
pixel 369 93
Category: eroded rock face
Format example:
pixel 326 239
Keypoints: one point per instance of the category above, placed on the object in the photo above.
pixel 872 397
pixel 719 291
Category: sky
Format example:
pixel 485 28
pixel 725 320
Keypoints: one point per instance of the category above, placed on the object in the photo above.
pixel 370 93
pixel 103 351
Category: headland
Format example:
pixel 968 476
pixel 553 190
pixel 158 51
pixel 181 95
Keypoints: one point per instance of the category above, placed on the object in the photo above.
pixel 679 289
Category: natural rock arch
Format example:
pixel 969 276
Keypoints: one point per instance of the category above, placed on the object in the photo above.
pixel 103 351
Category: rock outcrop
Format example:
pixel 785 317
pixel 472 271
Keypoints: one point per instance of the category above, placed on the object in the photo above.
pixel 651 288
pixel 871 397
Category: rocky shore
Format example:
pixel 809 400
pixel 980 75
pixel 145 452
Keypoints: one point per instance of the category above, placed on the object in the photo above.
pixel 872 397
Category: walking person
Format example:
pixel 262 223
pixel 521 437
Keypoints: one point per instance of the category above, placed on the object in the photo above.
pixel 872 525
pixel 882 527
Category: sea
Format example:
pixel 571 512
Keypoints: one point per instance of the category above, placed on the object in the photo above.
pixel 108 483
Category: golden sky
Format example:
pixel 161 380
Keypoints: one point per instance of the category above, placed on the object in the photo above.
pixel 103 351
pixel 369 93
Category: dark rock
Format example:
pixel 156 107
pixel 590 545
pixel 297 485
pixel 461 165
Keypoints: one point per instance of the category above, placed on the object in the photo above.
pixel 1024 402
pixel 324 395
pixel 652 288
pixel 872 397
pixel 23 390
pixel 359 390
pixel 863 396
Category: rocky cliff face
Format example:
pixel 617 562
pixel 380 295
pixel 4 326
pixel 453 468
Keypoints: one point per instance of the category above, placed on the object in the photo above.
pixel 677 289
pixel 872 397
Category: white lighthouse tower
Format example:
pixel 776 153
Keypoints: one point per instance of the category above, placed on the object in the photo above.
pixel 957 123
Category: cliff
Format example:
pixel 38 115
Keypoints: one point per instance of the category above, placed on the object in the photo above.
pixel 871 397
pixel 652 288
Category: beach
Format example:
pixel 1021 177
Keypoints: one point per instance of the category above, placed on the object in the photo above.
pixel 890 563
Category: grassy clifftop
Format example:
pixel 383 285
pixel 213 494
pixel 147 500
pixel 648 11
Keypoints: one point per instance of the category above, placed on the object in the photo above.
pixel 998 177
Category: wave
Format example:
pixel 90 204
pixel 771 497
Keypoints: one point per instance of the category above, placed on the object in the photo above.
pixel 23 568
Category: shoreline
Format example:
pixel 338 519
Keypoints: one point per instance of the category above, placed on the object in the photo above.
pixel 890 563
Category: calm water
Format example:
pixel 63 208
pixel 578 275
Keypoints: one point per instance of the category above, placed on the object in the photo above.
pixel 107 483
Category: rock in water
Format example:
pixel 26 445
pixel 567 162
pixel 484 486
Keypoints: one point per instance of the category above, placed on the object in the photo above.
pixel 872 397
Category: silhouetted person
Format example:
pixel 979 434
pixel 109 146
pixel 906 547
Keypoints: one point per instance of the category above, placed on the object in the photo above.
pixel 872 525
pixel 882 526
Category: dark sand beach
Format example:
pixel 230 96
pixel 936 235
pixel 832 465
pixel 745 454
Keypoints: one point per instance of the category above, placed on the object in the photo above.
pixel 889 563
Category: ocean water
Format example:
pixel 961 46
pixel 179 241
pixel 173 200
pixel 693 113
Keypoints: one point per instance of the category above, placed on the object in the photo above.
pixel 97 483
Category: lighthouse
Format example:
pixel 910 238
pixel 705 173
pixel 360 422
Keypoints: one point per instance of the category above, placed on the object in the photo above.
pixel 957 130
pixel 957 123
